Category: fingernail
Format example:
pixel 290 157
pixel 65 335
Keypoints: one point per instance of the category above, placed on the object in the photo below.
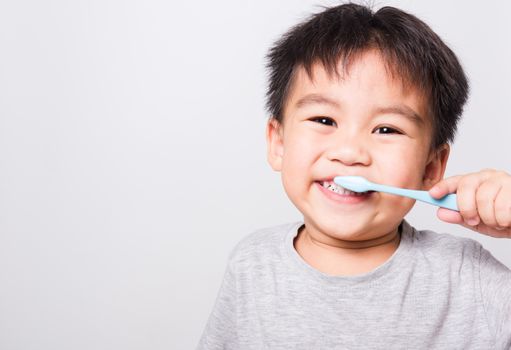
pixel 472 222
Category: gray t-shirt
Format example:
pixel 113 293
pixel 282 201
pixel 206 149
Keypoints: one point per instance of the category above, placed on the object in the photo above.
pixel 437 291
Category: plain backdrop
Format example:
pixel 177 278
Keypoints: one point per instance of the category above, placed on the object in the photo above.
pixel 132 156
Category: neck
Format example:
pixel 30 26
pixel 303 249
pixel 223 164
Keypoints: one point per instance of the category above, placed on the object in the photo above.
pixel 337 257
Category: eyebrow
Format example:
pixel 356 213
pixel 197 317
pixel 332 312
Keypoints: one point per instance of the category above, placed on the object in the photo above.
pixel 403 110
pixel 316 99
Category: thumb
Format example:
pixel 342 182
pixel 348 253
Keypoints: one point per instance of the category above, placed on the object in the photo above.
pixel 445 186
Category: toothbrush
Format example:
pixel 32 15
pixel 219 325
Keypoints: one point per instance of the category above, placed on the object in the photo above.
pixel 360 184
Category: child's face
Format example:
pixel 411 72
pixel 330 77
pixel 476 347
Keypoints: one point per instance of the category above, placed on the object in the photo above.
pixel 373 127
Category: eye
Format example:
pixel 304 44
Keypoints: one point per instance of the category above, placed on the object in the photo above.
pixel 324 120
pixel 387 130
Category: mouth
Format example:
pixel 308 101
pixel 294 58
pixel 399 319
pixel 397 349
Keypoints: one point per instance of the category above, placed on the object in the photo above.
pixel 332 186
pixel 341 194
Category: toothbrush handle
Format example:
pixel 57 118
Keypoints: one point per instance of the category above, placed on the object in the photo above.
pixel 449 201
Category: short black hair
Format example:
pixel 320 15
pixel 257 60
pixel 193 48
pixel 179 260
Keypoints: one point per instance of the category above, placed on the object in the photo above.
pixel 409 48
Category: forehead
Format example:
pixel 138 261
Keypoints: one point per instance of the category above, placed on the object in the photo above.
pixel 367 78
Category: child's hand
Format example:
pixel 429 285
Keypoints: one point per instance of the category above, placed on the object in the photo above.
pixel 484 201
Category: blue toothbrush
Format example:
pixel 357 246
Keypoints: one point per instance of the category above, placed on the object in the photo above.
pixel 360 184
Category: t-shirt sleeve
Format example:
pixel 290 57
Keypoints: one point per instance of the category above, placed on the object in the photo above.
pixel 495 279
pixel 220 331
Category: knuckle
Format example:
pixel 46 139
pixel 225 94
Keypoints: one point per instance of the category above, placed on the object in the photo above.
pixel 468 181
pixel 486 188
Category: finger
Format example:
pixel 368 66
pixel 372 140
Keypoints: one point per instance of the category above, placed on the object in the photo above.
pixel 451 184
pixel 454 217
pixel 485 201
pixel 489 231
pixel 445 186
pixel 450 216
pixel 503 208
pixel 466 198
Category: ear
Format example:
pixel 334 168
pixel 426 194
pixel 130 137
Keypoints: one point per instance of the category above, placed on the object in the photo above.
pixel 274 143
pixel 435 167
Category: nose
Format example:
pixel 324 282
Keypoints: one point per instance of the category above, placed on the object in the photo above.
pixel 349 148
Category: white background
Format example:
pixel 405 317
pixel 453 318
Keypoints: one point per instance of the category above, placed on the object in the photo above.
pixel 132 156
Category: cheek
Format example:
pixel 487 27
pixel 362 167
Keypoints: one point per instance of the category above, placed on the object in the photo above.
pixel 405 170
pixel 295 171
pixel 299 153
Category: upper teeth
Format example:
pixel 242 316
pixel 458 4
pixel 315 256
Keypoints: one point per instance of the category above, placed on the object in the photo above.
pixel 337 189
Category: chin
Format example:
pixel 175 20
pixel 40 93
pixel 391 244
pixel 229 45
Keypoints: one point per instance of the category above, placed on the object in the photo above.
pixel 357 228
pixel 344 228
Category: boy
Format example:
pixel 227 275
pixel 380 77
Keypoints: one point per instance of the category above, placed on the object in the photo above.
pixel 378 95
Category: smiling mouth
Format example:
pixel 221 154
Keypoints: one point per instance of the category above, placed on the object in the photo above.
pixel 333 187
